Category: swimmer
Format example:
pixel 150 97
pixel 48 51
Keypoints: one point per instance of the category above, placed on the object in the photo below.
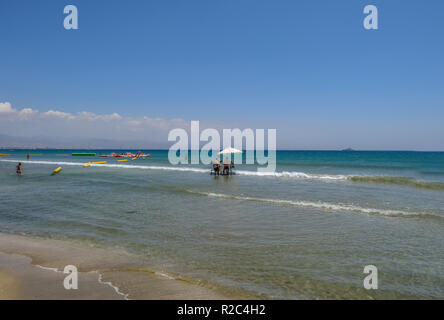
pixel 19 169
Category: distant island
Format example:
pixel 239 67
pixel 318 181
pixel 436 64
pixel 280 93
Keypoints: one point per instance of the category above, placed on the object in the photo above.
pixel 348 149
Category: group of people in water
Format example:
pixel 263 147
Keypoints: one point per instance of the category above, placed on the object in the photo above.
pixel 228 165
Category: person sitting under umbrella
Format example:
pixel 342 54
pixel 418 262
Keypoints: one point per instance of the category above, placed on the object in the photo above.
pixel 227 164
pixel 216 166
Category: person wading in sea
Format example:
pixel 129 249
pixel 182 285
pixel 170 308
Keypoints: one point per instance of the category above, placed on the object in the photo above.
pixel 216 167
pixel 19 169
pixel 227 164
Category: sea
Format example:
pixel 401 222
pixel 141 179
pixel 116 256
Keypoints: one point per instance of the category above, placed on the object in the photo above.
pixel 306 231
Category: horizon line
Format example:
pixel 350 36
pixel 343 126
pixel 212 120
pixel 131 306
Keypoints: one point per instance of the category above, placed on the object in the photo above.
pixel 244 150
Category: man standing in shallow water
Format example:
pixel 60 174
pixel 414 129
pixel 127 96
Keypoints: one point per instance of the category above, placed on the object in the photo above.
pixel 19 169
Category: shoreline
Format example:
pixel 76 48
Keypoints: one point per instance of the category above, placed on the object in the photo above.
pixel 32 268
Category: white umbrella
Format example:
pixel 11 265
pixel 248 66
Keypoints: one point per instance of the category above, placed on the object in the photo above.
pixel 229 151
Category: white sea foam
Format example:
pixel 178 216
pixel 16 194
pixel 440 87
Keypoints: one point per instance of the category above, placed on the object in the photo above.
pixel 283 174
pixel 318 205
pixel 403 181
pixel 162 274
pixel 109 165
pixel 43 162
pixel 292 174
pixel 99 279
pixel 47 268
pixel 116 289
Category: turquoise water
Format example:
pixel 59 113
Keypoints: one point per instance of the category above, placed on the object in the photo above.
pixel 305 231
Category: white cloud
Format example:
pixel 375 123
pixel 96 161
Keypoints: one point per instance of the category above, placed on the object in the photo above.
pixel 26 113
pixel 5 107
pixel 84 115
pixel 58 114
pixel 7 111
pixel 55 123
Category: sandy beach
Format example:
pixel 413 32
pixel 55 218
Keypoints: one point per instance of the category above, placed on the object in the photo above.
pixel 32 268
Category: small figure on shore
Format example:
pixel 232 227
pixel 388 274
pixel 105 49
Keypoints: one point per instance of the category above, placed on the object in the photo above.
pixel 19 169
pixel 27 156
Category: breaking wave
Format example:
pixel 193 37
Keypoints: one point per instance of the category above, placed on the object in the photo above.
pixel 403 181
pixel 292 174
pixel 325 206
pixel 379 179
pixel 113 166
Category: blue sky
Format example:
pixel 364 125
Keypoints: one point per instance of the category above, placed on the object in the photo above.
pixel 307 68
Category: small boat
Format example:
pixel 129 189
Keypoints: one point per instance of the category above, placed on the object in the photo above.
pixel 83 154
pixel 117 155
pixel 125 155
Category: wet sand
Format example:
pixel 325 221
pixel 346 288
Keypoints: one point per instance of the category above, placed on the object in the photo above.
pixel 19 279
pixel 32 268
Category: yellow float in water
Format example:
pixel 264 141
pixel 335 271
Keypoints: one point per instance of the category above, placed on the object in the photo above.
pixel 62 155
pixel 87 165
pixel 4 154
pixel 122 160
pixel 57 170
pixel 133 158
pixel 99 162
